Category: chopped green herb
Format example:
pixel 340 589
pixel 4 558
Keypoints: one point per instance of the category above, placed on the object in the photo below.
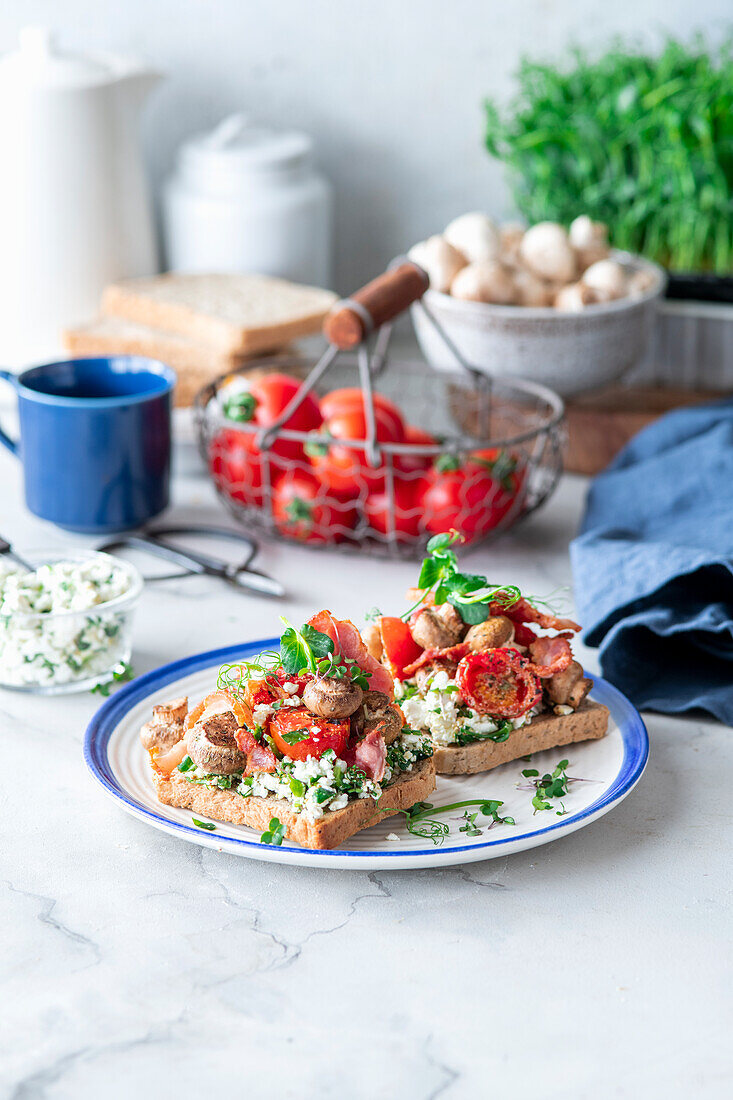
pixel 294 737
pixel 467 736
pixel 274 833
pixel 186 764
pixel 207 825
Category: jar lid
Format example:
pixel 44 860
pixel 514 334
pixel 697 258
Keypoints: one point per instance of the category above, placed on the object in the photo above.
pixel 236 149
pixel 38 62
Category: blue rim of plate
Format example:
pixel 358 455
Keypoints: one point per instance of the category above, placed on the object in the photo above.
pixel 99 731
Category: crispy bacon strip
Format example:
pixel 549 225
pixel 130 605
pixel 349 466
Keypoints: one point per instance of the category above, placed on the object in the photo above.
pixel 260 758
pixel 452 653
pixel 550 655
pixel 349 643
pixel 369 754
pixel 523 612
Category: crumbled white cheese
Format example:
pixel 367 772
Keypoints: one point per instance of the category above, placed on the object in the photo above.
pixel 290 687
pixel 392 836
pixel 261 713
pixel 42 641
pixel 437 711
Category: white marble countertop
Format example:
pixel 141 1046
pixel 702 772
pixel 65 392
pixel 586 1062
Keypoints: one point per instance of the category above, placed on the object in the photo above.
pixel 136 964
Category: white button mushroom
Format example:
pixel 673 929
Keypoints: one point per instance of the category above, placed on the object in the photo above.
pixel 439 259
pixel 532 291
pixel 475 235
pixel 546 251
pixel 574 298
pixel 487 281
pixel 607 279
pixel 510 238
pixel 585 233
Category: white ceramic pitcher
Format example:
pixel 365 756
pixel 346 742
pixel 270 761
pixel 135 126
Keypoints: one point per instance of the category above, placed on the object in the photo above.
pixel 74 207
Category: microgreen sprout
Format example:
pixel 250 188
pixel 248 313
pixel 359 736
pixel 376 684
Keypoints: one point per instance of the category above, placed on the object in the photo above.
pixel 274 832
pixel 420 822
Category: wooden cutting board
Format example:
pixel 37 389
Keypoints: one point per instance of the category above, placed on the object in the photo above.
pixel 602 422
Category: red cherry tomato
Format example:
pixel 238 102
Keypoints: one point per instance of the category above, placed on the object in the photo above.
pixel 473 495
pixel 405 523
pixel 400 648
pixel 237 466
pixel 266 399
pixel 287 725
pixel 304 509
pixel 412 463
pixel 497 682
pixel 345 470
pixel 338 401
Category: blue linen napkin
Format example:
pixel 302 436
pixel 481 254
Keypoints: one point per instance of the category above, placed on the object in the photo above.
pixel 653 564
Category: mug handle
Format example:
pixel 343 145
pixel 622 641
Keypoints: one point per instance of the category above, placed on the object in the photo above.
pixel 5 439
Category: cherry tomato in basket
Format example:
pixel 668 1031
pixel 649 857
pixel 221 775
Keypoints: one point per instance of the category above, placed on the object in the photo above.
pixel 304 509
pixel 471 495
pixel 414 463
pixel 300 734
pixel 236 464
pixel 338 401
pixel 345 470
pixel 265 400
pixel 497 682
pixel 407 509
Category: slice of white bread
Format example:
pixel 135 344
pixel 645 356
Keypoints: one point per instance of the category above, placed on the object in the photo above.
pixel 236 314
pixel 327 832
pixel 195 364
pixel 547 731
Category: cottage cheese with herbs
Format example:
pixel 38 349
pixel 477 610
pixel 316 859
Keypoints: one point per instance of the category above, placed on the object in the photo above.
pixel 442 712
pixel 316 787
pixel 42 648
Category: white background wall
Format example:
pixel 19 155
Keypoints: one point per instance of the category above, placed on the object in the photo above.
pixel 390 89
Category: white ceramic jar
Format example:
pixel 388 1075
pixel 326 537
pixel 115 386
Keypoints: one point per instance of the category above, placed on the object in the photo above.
pixel 246 199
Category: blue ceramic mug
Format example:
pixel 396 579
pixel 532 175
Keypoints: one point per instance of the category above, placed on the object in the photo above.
pixel 95 441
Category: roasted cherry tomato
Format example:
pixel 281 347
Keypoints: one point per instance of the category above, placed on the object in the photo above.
pixel 498 682
pixel 265 400
pixel 400 648
pixel 304 509
pixel 407 509
pixel 236 464
pixel 473 495
pixel 413 463
pixel 300 734
pixel 345 470
pixel 338 401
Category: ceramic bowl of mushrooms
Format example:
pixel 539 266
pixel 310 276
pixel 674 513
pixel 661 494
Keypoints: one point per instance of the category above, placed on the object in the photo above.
pixel 553 305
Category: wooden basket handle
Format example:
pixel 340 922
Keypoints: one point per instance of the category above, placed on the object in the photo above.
pixel 350 321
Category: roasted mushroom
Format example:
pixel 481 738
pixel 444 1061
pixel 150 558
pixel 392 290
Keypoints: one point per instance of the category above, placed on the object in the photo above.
pixel 331 697
pixel 165 729
pixel 496 631
pixel 213 748
pixel 432 631
pixel 569 687
pixel 377 713
pixel 452 620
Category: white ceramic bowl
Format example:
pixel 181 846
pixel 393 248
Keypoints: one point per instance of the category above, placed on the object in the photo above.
pixel 569 352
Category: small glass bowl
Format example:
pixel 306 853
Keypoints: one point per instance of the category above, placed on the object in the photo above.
pixel 59 652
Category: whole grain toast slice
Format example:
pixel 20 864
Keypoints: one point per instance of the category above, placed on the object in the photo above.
pixel 547 731
pixel 327 832
pixel 236 314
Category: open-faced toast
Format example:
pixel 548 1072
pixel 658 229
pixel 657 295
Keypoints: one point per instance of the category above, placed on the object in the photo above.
pixel 326 832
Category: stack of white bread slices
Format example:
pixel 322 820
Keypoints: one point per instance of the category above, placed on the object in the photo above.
pixel 200 325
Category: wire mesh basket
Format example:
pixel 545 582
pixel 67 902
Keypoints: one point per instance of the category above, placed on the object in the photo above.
pixel 479 455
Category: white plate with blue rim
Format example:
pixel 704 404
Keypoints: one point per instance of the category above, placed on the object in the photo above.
pixel 601 774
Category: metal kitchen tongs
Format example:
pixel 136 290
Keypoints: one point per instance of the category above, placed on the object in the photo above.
pixel 241 576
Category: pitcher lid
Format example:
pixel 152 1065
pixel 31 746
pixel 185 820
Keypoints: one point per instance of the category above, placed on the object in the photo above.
pixel 38 62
